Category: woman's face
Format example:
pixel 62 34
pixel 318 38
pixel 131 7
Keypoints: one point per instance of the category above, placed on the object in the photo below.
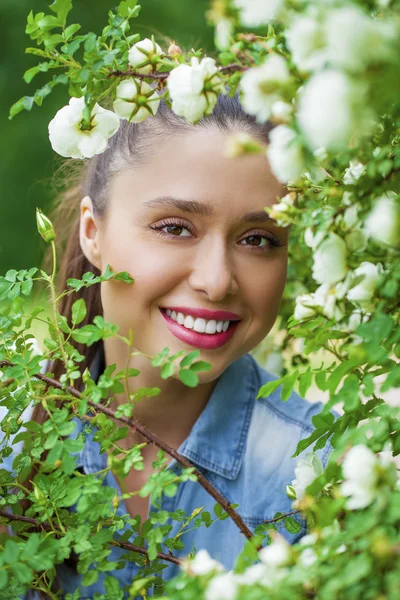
pixel 177 224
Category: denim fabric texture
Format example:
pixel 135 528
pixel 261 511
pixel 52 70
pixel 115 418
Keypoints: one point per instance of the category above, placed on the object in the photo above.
pixel 243 446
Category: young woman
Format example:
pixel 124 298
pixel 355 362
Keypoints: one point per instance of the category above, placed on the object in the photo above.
pixel 165 203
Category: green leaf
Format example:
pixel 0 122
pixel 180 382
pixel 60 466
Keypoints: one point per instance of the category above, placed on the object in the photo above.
pixel 201 365
pixel 268 388
pixel 90 578
pixel 189 358
pixel 188 377
pixel 78 311
pixel 167 370
pixel 24 103
pixel 292 526
pixel 305 381
pixel 288 385
pixel 61 8
pixel 3 578
pixel 69 32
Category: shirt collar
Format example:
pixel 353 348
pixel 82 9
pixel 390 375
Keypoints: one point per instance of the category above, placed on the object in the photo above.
pixel 217 440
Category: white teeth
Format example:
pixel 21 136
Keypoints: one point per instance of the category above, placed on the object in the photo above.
pixel 189 322
pixel 199 325
pixel 211 327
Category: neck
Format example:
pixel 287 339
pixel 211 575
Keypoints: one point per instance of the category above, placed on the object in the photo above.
pixel 173 412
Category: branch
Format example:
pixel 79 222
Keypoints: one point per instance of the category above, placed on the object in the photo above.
pixel 293 512
pixel 151 437
pixel 126 545
pixel 165 74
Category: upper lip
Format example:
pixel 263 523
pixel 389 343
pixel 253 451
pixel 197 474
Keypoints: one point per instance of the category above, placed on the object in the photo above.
pixel 203 313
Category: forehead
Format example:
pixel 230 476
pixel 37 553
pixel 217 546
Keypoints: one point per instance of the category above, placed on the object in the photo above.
pixel 194 165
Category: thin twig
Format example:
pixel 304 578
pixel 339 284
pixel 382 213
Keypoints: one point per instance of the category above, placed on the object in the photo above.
pixel 165 74
pixel 151 437
pixel 289 514
pixel 125 545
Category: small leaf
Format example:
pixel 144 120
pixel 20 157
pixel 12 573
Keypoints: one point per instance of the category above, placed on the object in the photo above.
pixel 292 526
pixel 188 377
pixel 189 358
pixel 78 311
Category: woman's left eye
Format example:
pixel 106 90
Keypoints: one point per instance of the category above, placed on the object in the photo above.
pixel 261 241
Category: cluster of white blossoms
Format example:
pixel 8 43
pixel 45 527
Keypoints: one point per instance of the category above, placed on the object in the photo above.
pixel 253 13
pixel 226 585
pixel 193 89
pixel 307 470
pixel 364 474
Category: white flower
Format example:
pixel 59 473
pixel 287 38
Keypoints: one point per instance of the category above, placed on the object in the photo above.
pixel 223 33
pixel 332 107
pixel 326 297
pixel 306 41
pixel 201 564
pixel 136 100
pixel 313 239
pixel 383 222
pixel 360 477
pixel 261 86
pixel 281 212
pixel 281 112
pixel 330 260
pixel 362 293
pixel 353 172
pixel 187 88
pixel 258 12
pixel 361 39
pixel 285 154
pixel 143 56
pixel 356 240
pixel 350 216
pixel 257 573
pixel 276 554
pixel 306 471
pixel 222 587
pixel 69 140
pixel 307 555
pixel 305 307
pixel 356 318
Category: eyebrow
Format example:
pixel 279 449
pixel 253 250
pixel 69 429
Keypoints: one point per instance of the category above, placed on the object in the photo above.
pixel 200 208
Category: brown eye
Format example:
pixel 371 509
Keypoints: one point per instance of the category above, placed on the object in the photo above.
pixel 255 240
pixel 174 229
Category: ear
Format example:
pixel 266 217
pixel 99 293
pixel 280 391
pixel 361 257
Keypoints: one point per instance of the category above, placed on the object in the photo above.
pixel 89 233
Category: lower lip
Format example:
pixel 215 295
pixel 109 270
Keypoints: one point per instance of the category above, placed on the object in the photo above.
pixel 200 340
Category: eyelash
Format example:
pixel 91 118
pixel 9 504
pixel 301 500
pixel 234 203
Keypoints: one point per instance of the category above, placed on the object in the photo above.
pixel 274 242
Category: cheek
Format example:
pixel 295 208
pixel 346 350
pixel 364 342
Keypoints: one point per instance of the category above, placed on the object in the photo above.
pixel 264 288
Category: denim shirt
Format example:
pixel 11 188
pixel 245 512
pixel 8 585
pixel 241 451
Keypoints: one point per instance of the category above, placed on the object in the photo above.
pixel 244 448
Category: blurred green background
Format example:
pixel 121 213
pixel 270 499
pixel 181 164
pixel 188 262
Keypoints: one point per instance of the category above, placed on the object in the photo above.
pixel 27 161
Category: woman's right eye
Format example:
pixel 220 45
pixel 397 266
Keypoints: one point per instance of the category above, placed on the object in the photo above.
pixel 173 229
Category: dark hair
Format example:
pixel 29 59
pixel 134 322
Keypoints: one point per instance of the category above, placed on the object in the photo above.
pixel 127 148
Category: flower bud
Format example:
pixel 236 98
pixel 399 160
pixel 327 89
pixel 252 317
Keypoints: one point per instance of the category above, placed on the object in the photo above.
pixel 174 51
pixel 45 226
pixel 115 502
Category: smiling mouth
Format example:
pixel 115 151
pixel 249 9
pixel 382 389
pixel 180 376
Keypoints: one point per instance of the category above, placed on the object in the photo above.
pixel 203 326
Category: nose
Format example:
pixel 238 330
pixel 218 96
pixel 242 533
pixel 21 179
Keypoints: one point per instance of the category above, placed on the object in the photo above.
pixel 213 271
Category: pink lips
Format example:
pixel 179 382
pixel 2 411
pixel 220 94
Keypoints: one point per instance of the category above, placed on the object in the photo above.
pixel 201 340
